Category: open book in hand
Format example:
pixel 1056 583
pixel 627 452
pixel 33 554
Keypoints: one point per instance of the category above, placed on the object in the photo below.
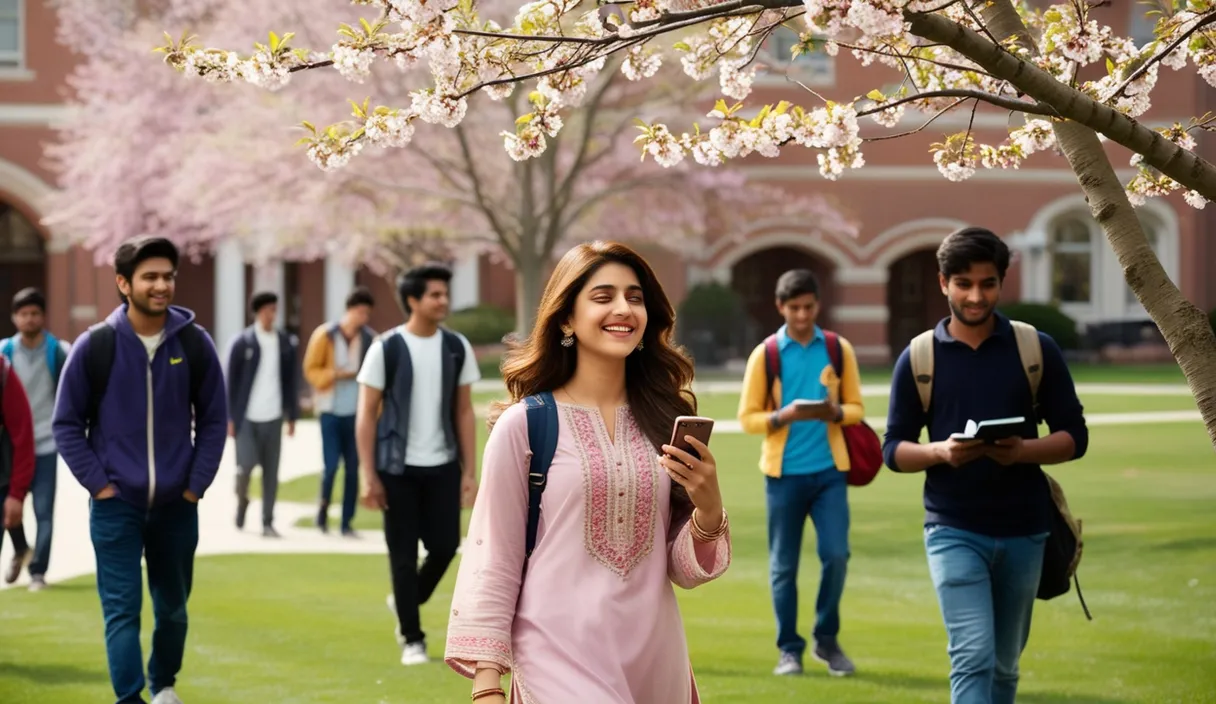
pixel 991 430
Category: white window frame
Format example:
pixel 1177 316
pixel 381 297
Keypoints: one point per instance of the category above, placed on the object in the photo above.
pixel 15 59
pixel 815 69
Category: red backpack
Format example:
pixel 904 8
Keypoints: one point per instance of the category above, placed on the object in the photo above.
pixel 864 447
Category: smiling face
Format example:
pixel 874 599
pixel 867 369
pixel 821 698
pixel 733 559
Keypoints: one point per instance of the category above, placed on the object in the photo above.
pixel 151 288
pixel 433 306
pixel 609 315
pixel 973 294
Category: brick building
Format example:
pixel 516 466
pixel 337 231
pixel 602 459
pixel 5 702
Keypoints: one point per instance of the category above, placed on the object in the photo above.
pixel 880 286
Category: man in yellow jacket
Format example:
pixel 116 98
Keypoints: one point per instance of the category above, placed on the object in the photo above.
pixel 805 460
pixel 331 363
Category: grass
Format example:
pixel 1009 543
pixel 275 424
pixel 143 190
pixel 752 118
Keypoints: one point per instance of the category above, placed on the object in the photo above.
pixel 314 629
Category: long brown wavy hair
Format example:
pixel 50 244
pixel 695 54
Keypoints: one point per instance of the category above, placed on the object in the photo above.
pixel 658 377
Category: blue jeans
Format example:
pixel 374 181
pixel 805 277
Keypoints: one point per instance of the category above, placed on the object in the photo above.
pixel 166 537
pixel 42 490
pixel 824 497
pixel 986 588
pixel 338 442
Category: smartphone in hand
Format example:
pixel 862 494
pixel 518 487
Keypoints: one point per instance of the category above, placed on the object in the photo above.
pixel 697 426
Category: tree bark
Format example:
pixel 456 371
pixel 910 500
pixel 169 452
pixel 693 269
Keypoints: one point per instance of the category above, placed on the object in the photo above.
pixel 529 275
pixel 1185 328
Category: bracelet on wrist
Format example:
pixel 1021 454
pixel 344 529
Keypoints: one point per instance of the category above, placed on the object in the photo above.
pixel 482 694
pixel 701 535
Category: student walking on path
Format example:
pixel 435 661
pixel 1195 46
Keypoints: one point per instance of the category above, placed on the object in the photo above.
pixel 988 506
pixel 331 363
pixel 37 357
pixel 141 420
pixel 805 462
pixel 262 394
pixel 417 444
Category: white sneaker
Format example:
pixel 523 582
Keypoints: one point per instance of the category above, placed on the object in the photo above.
pixel 37 583
pixel 166 696
pixel 413 654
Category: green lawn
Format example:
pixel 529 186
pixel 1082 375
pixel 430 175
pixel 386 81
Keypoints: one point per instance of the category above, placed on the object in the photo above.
pixel 315 629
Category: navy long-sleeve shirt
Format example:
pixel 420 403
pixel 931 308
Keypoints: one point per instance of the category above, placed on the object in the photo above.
pixel 978 384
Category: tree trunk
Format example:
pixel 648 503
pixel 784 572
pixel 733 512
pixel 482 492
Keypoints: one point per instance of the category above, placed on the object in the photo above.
pixel 529 282
pixel 1186 328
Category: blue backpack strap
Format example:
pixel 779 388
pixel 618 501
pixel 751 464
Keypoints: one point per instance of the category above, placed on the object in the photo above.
pixel 6 348
pixel 772 366
pixel 542 439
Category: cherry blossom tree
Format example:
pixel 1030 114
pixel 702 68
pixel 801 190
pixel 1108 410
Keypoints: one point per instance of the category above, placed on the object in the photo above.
pixel 150 152
pixel 952 54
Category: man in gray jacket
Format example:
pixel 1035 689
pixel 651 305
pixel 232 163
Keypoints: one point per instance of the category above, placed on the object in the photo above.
pixel 262 393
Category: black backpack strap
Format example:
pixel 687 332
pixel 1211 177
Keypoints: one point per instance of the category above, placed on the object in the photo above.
pixel 97 364
pixel 390 343
pixel 453 344
pixel 195 349
pixel 542 439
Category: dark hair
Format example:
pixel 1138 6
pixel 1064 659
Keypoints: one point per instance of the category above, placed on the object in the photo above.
pixel 261 299
pixel 137 250
pixel 413 283
pixel 795 283
pixel 658 376
pixel 360 296
pixel 29 297
pixel 972 245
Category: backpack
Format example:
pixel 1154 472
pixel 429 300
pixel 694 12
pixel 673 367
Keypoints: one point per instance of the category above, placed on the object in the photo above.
pixel 860 440
pixel 1062 552
pixel 392 342
pixel 542 439
pixel 100 360
pixel 55 356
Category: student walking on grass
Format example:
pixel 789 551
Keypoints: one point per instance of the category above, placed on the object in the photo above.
pixel 17 442
pixel 417 444
pixel 988 506
pixel 331 363
pixel 261 396
pixel 595 620
pixel 141 420
pixel 805 461
pixel 37 357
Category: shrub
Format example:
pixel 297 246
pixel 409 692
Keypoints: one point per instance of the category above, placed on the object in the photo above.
pixel 709 321
pixel 482 324
pixel 1046 318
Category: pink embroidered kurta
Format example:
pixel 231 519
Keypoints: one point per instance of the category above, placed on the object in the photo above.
pixel 596 620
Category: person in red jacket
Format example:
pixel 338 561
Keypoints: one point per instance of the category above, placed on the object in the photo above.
pixel 17 471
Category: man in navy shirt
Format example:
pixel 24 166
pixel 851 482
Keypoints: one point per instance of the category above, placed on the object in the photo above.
pixel 987 506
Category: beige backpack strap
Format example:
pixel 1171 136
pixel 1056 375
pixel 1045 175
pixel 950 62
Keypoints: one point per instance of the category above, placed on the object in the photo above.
pixel 922 366
pixel 1030 349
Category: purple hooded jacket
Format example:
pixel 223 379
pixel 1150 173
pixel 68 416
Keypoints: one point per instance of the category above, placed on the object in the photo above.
pixel 184 457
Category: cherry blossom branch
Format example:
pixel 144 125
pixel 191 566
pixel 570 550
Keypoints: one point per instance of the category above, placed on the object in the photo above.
pixel 1160 55
pixel 928 122
pixel 1181 165
pixel 923 59
pixel 968 94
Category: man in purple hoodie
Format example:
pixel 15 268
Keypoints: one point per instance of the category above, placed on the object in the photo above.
pixel 141 419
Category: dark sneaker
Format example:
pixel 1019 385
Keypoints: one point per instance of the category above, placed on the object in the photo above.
pixel 349 533
pixel 20 560
pixel 838 663
pixel 242 506
pixel 269 532
pixel 789 664
pixel 323 518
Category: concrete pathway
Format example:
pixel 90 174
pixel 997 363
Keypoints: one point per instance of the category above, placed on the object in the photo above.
pixel 72 551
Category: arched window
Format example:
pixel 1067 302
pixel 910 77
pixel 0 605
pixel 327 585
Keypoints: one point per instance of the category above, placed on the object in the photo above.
pixel 19 241
pixel 1072 259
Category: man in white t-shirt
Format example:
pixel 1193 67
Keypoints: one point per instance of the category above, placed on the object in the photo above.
pixel 262 393
pixel 417 444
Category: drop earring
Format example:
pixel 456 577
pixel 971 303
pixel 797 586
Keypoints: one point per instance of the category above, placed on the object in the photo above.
pixel 568 340
pixel 639 347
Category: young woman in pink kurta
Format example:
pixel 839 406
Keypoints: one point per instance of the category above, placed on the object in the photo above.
pixel 595 620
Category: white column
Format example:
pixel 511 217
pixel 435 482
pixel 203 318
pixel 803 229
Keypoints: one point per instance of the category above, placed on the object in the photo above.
pixel 339 282
pixel 229 293
pixel 269 277
pixel 466 281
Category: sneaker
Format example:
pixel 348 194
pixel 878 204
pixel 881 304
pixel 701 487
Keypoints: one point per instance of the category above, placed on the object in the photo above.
pixel 350 533
pixel 414 654
pixel 831 655
pixel 166 696
pixel 270 532
pixel 323 518
pixel 241 506
pixel 20 560
pixel 789 664
pixel 37 583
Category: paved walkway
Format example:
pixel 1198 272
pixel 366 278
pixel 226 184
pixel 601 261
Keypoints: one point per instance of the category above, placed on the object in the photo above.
pixel 72 551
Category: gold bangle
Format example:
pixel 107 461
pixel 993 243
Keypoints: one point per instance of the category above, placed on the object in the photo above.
pixel 488 693
pixel 705 536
